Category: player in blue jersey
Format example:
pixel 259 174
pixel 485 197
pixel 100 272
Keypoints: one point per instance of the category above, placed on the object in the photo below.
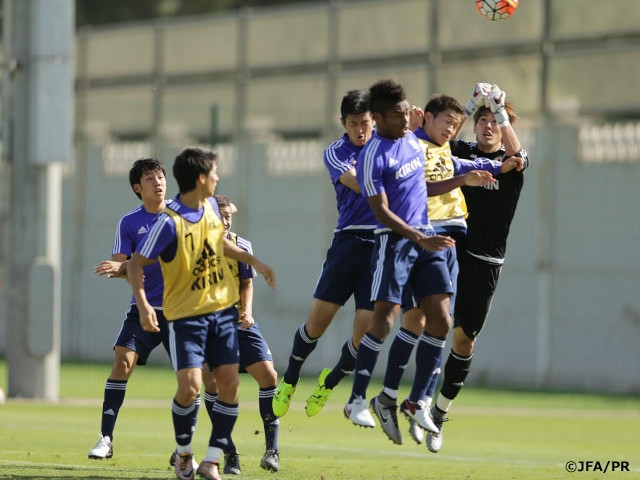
pixel 481 251
pixel 442 118
pixel 133 345
pixel 346 270
pixel 255 355
pixel 407 252
pixel 199 304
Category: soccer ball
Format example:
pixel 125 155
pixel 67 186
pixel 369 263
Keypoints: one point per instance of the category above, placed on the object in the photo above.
pixel 496 9
pixel 3 397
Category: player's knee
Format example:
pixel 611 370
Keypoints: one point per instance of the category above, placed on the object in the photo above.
pixel 462 344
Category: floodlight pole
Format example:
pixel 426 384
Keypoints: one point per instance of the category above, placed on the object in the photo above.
pixel 37 138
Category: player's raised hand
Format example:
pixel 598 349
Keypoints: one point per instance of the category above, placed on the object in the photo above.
pixel 437 243
pixel 477 99
pixel 416 118
pixel 496 102
pixel 496 99
pixel 478 178
pixel 511 163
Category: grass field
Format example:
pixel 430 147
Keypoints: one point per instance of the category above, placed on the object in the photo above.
pixel 493 434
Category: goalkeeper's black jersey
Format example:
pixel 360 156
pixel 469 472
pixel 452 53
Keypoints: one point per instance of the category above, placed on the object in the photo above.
pixel 491 209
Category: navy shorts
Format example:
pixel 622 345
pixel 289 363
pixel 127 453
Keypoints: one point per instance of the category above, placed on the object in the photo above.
pixel 409 300
pixel 477 283
pixel 133 337
pixel 398 262
pixel 210 338
pixel 346 270
pixel 253 347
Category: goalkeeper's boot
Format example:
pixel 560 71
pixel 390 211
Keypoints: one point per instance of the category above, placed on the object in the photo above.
pixel 416 431
pixel 434 440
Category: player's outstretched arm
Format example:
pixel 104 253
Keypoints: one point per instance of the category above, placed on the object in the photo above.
pixel 496 102
pixel 231 250
pixel 114 268
pixel 148 319
pixel 380 206
pixel 474 178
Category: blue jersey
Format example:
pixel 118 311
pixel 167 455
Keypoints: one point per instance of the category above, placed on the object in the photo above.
pixel 130 231
pixel 245 271
pixel 353 209
pixel 395 167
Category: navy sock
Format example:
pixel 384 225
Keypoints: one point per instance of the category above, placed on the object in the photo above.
pixel 209 401
pixel 114 392
pixel 431 388
pixel 345 365
pixel 399 355
pixel 183 422
pixel 365 364
pixel 224 418
pixel 428 357
pixel 270 421
pixel 303 345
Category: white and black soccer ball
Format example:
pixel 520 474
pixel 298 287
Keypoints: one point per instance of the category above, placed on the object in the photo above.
pixel 495 10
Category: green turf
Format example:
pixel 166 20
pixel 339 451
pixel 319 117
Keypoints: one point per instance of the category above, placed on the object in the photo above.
pixel 493 434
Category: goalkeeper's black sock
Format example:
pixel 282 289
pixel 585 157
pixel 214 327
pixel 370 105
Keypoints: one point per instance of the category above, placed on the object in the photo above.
pixel 455 373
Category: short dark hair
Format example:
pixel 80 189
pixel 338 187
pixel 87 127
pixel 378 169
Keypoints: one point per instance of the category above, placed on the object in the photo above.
pixel 141 166
pixel 384 95
pixel 439 103
pixel 222 200
pixel 354 102
pixel 511 112
pixel 189 164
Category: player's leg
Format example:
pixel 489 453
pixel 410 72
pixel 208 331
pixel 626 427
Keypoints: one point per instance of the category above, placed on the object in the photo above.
pixel 304 342
pixel 392 261
pixel 256 359
pixel 355 278
pixel 266 376
pixel 221 352
pixel 329 378
pixel 187 341
pixel 114 393
pixel 413 323
pixel 431 283
pixel 132 346
pixel 384 315
pixel 184 414
pixel 477 282
pixel 398 359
